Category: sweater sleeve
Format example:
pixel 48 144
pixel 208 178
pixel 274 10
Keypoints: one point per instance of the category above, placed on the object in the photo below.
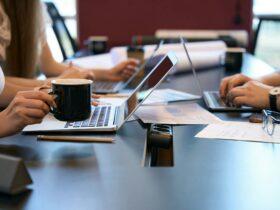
pixel 5 33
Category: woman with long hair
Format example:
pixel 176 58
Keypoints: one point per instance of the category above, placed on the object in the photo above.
pixel 24 49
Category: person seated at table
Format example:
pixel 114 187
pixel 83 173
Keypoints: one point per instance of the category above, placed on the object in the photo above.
pixel 239 90
pixel 23 48
pixel 27 107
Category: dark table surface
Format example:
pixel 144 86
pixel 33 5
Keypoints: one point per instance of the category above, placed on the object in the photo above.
pixel 207 175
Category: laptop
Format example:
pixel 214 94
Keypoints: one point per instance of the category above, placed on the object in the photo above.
pixel 104 87
pixel 212 98
pixel 110 117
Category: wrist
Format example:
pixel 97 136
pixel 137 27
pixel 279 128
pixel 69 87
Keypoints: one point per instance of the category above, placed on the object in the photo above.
pixel 274 94
pixel 278 103
pixel 101 74
pixel 7 127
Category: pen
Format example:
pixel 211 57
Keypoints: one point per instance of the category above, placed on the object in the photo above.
pixel 75 139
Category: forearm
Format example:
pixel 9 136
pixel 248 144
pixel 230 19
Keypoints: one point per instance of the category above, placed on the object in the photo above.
pixel 49 66
pixel 26 83
pixel 54 69
pixel 271 79
pixel 9 92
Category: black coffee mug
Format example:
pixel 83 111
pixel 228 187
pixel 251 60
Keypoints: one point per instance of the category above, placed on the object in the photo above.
pixel 97 44
pixel 234 59
pixel 72 98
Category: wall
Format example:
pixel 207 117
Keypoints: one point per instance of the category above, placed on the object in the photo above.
pixel 121 19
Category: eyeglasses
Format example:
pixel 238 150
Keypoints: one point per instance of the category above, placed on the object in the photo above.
pixel 270 119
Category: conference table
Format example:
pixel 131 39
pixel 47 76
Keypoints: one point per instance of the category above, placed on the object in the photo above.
pixel 207 174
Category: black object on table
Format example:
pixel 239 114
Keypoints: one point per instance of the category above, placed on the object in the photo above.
pixel 14 177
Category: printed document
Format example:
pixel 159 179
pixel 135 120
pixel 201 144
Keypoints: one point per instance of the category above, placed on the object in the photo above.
pixel 240 131
pixel 176 114
pixel 168 95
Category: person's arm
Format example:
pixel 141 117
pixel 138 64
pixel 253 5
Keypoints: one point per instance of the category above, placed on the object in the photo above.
pixel 253 94
pixel 27 83
pixel 14 85
pixel 9 92
pixel 28 107
pixel 48 65
pixel 52 68
pixel 271 79
pixel 228 83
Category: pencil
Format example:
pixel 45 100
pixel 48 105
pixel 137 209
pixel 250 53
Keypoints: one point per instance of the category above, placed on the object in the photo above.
pixel 75 139
pixel 114 96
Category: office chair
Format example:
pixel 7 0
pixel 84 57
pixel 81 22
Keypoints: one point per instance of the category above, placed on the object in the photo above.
pixel 67 44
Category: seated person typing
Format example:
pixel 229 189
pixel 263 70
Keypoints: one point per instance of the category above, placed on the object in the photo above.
pixel 239 90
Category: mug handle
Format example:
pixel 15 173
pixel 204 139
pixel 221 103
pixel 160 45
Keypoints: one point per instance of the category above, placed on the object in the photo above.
pixel 53 110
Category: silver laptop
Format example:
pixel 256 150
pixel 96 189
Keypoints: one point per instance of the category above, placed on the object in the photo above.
pixel 212 98
pixel 103 87
pixel 110 117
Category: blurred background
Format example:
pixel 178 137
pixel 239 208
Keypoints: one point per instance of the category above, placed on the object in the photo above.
pixel 121 20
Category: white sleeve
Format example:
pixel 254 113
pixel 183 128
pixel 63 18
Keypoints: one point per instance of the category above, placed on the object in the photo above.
pixel 2 80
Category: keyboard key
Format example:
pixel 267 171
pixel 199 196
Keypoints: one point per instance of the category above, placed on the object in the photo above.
pixel 94 117
pixel 99 118
pixel 77 124
pixel 107 116
pixel 86 123
pixel 68 124
pixel 100 122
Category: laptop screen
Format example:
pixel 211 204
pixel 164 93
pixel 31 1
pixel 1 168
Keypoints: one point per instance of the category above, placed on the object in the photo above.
pixel 152 80
pixel 142 71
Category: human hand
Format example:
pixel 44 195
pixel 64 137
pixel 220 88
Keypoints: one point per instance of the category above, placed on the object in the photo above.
pixel 28 107
pixel 253 93
pixel 231 82
pixel 122 71
pixel 94 100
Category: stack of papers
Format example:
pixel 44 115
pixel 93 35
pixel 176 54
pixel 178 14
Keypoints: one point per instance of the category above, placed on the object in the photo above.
pixel 239 131
pixel 169 95
pixel 179 114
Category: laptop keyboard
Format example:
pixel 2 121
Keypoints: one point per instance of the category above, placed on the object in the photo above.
pixel 99 118
pixel 215 96
pixel 105 85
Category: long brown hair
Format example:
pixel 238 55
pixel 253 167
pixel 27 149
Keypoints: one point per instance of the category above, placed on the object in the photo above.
pixel 22 54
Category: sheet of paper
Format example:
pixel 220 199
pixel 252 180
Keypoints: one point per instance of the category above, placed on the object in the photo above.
pixel 169 95
pixel 240 131
pixel 176 114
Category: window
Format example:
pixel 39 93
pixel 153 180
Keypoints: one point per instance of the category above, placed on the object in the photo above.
pixel 268 45
pixel 266 7
pixel 67 9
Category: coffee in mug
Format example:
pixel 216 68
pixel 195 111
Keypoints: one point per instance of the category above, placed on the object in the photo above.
pixel 72 98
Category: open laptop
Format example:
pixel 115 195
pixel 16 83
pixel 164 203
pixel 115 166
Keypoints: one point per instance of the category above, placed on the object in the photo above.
pixel 103 87
pixel 212 98
pixel 111 117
